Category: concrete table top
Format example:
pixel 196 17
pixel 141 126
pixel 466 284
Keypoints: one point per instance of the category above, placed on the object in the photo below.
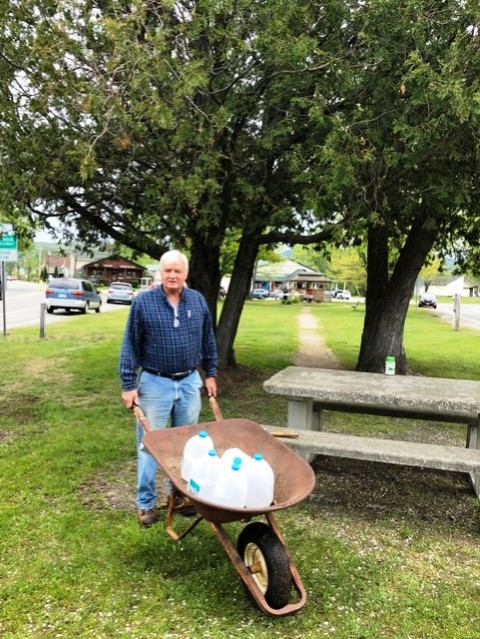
pixel 449 399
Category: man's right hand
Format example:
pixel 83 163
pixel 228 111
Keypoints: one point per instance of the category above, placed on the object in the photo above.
pixel 130 398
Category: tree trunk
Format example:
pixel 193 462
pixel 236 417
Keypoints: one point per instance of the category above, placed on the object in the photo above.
pixel 387 302
pixel 204 271
pixel 237 293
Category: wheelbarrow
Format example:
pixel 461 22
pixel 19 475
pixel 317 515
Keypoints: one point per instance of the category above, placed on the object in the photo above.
pixel 260 557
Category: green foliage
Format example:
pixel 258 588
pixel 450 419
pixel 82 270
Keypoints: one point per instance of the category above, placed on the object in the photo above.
pixel 430 271
pixel 347 268
pixel 171 120
pixel 161 123
pixel 311 256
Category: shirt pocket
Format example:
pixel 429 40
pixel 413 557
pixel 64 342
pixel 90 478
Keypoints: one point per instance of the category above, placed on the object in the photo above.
pixel 194 321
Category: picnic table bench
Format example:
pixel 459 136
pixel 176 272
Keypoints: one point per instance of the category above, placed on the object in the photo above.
pixel 312 390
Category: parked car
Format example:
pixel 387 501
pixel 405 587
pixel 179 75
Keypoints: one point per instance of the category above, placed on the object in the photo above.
pixel 70 293
pixel 278 294
pixel 120 293
pixel 259 294
pixel 428 299
pixel 344 295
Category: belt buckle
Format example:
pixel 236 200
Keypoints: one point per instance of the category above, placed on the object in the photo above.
pixel 181 375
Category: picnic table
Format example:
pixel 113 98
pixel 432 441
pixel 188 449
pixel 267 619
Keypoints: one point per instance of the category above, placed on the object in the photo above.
pixel 310 391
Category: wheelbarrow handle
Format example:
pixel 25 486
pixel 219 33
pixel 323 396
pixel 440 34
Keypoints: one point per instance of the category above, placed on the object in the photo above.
pixel 139 414
pixel 215 408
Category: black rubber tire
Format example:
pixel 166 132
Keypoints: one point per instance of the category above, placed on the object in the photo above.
pixel 50 310
pixel 84 310
pixel 99 308
pixel 258 544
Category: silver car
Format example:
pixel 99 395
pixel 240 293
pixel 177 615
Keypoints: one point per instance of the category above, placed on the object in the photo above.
pixel 120 293
pixel 70 293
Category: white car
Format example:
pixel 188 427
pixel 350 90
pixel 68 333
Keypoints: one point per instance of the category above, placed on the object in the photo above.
pixel 120 293
pixel 428 299
pixel 259 294
pixel 344 295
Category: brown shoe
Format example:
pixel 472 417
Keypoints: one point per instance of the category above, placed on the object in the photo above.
pixel 147 517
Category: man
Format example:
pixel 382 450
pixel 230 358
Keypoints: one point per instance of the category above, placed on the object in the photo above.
pixel 169 334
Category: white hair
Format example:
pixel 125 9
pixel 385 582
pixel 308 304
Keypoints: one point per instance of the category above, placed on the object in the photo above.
pixel 173 256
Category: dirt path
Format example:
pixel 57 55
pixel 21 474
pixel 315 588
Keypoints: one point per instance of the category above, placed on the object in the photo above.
pixel 313 350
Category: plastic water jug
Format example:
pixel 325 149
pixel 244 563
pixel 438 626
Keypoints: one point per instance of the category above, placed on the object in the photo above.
pixel 195 446
pixel 208 490
pixel 232 453
pixel 231 487
pixel 204 475
pixel 260 483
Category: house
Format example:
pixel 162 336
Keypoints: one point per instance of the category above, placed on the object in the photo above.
pixel 292 277
pixel 64 265
pixel 114 269
pixel 447 285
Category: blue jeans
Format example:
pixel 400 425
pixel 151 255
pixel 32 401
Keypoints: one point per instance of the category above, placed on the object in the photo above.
pixel 162 400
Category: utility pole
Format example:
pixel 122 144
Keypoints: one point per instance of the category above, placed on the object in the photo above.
pixel 456 312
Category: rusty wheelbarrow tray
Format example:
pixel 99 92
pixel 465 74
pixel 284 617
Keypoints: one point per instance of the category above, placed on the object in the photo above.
pixel 261 558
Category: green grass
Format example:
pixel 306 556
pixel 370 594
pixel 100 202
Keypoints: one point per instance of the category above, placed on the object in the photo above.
pixel 74 566
pixel 432 347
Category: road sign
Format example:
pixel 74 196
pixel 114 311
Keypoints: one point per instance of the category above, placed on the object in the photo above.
pixel 8 244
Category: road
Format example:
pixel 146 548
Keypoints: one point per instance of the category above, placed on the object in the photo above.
pixel 22 306
pixel 469 314
pixel 23 299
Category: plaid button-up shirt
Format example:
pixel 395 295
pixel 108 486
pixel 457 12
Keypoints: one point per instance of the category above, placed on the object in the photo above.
pixel 167 340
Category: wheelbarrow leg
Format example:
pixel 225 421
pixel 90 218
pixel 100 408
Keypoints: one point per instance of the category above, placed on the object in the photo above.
pixel 250 583
pixel 169 519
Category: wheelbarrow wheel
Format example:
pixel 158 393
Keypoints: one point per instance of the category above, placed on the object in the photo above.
pixel 264 555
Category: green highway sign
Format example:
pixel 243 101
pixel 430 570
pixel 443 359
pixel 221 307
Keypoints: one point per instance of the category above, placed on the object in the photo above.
pixel 8 244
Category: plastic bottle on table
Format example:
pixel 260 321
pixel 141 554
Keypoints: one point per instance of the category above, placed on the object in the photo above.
pixel 204 475
pixel 260 482
pixel 231 487
pixel 195 446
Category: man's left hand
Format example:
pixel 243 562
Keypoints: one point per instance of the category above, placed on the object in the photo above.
pixel 211 386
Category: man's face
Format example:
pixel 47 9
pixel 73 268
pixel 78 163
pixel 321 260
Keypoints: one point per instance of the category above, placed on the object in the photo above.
pixel 174 276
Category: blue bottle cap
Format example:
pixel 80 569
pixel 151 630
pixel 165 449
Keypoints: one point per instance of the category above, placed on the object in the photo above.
pixel 236 466
pixel 203 433
pixel 237 461
pixel 212 452
pixel 258 456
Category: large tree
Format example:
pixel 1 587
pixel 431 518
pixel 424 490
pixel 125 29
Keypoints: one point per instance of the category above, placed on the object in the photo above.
pixel 159 123
pixel 174 122
pixel 403 155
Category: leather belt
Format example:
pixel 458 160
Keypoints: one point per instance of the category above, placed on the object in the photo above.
pixel 175 376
